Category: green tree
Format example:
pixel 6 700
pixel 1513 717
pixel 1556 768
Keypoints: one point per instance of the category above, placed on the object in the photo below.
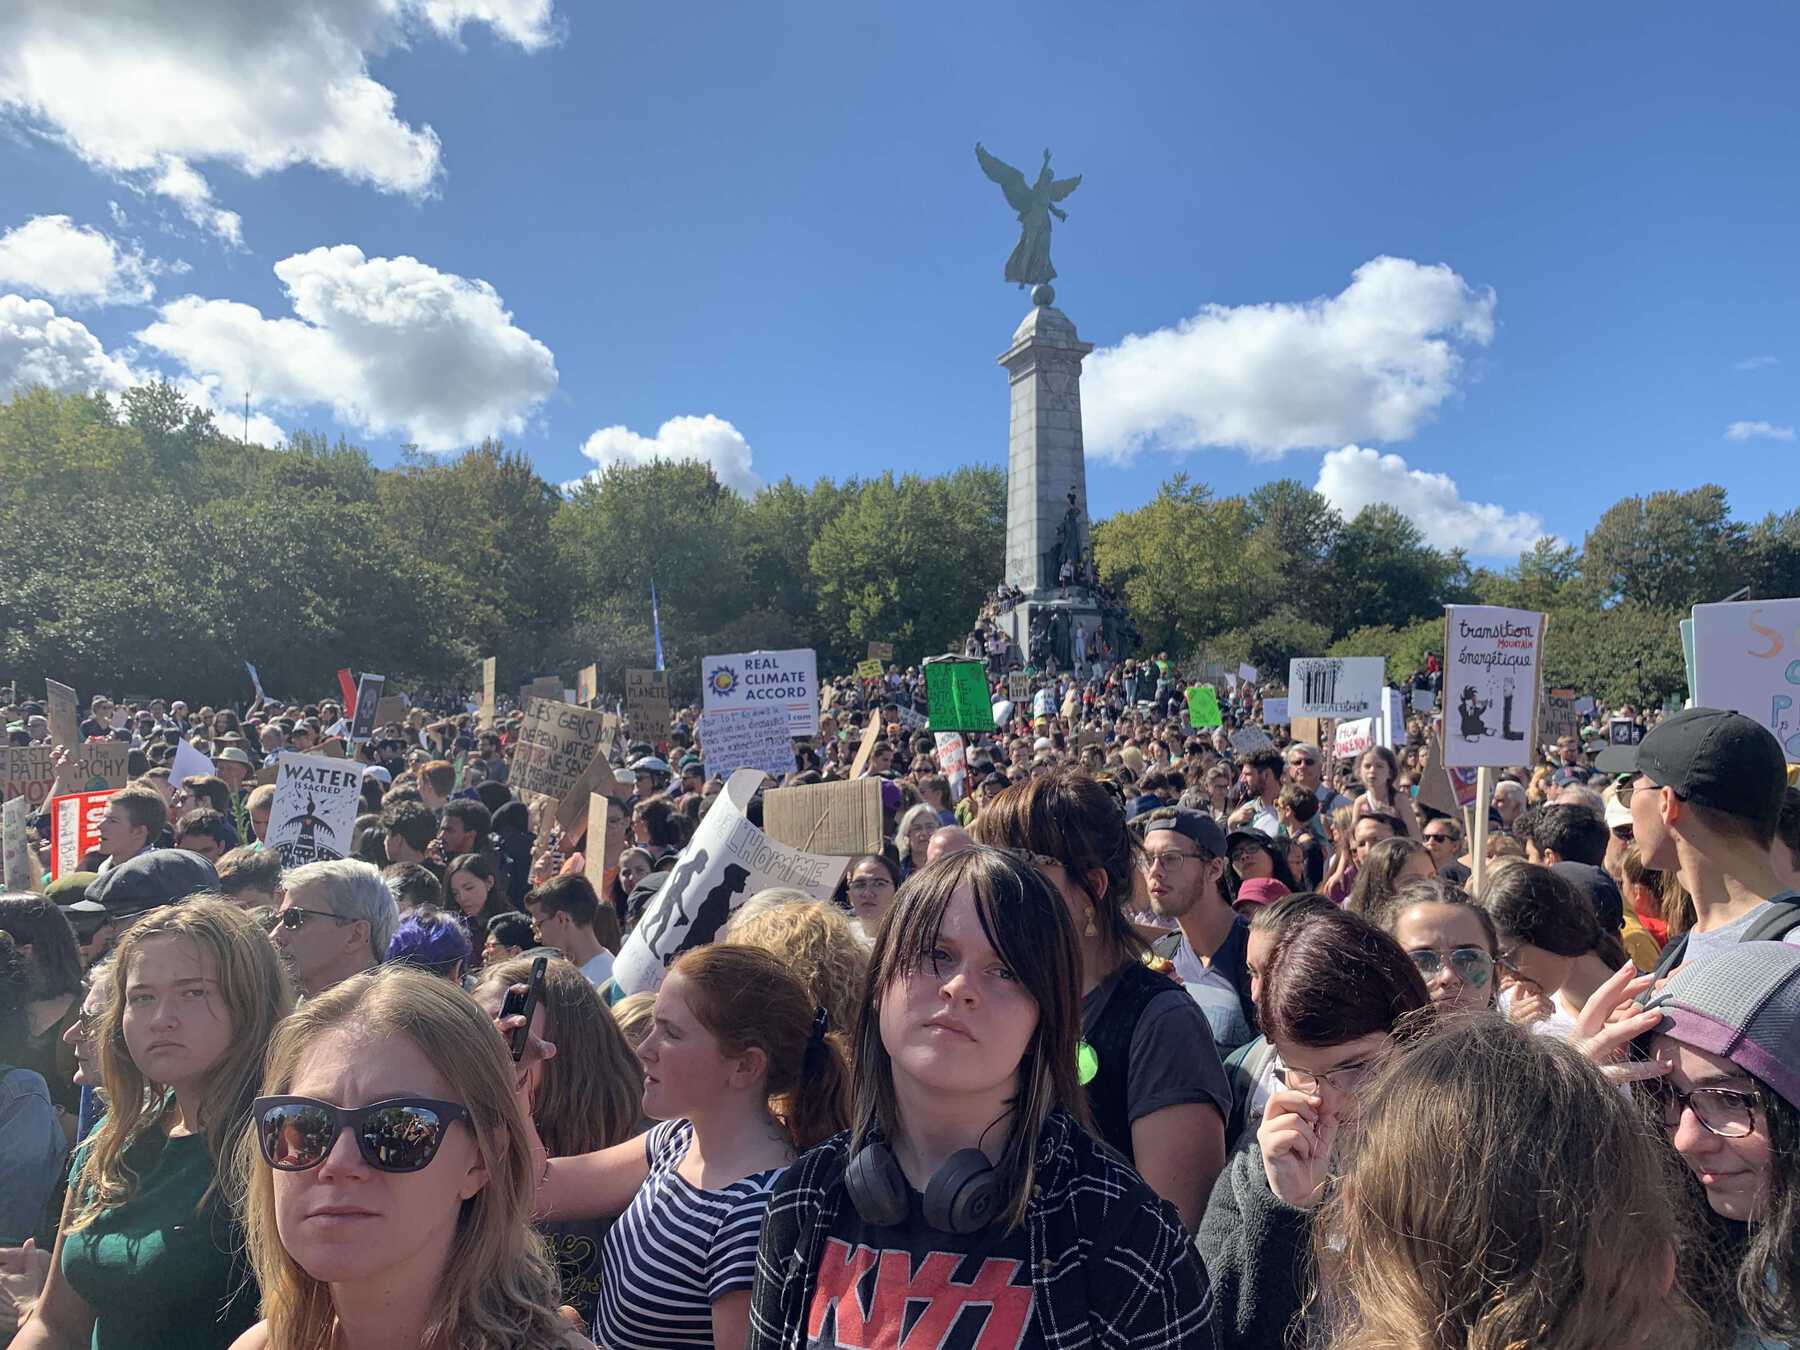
pixel 1668 551
pixel 1382 573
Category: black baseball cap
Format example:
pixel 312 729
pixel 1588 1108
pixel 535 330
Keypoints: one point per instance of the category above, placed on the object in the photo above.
pixel 1195 825
pixel 1720 760
pixel 147 881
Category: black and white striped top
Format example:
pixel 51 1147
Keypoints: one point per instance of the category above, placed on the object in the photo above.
pixel 677 1250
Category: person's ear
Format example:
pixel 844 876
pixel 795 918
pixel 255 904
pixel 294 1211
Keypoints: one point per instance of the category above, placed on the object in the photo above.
pixel 1097 881
pixel 750 1067
pixel 476 1177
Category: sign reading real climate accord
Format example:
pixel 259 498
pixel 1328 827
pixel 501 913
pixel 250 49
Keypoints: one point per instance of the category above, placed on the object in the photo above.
pixel 788 680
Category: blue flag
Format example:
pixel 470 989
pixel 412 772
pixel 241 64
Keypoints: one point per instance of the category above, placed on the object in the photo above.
pixel 656 626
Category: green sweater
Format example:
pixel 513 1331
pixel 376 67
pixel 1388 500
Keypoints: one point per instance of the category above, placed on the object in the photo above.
pixel 1257 1252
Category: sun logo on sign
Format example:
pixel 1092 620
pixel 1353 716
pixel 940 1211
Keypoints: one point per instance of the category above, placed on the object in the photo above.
pixel 722 680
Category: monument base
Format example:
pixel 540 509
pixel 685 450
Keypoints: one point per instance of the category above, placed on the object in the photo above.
pixel 1056 611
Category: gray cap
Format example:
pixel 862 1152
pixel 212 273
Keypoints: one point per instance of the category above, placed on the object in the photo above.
pixel 148 881
pixel 1743 1005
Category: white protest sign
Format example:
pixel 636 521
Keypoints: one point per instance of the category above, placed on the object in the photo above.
pixel 1247 673
pixel 787 680
pixel 20 872
pixel 1423 700
pixel 756 738
pixel 189 763
pixel 1393 719
pixel 1336 686
pixel 316 800
pixel 1747 659
pixel 953 761
pixel 727 860
pixel 1043 704
pixel 1275 712
pixel 1354 737
pixel 1490 684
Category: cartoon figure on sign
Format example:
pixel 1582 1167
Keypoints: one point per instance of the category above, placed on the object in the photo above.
pixel 1508 731
pixel 1471 710
pixel 306 847
pixel 715 909
pixel 670 912
pixel 722 680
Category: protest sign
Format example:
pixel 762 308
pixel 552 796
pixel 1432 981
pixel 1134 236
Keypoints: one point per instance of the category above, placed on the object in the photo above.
pixel 189 763
pixel 1203 707
pixel 587 684
pixel 788 680
pixel 1392 731
pixel 99 764
pixel 1747 659
pixel 1018 686
pixel 1336 686
pixel 389 709
pixel 1624 731
pixel 489 706
pixel 868 670
pixel 556 744
pixel 75 829
pixel 368 698
pixel 1446 791
pixel 60 709
pixel 1423 700
pixel 837 819
pixel 881 651
pixel 315 806
pixel 597 777
pixel 19 870
pixel 1248 740
pixel 1490 665
pixel 1043 704
pixel 545 687
pixel 29 770
pixel 1353 737
pixel 953 762
pixel 1307 731
pixel 647 702
pixel 1586 704
pixel 956 695
pixel 727 860
pixel 865 751
pixel 1687 660
pixel 1557 717
pixel 1274 711
pixel 1247 673
pixel 756 738
pixel 596 847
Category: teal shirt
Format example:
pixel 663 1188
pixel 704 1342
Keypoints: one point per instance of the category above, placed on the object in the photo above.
pixel 159 1272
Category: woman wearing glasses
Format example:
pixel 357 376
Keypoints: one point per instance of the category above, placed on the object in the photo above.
pixel 1451 940
pixel 149 1252
pixel 867 889
pixel 1335 999
pixel 387 1179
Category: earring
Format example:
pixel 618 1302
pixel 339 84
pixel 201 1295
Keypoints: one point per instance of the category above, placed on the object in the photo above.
pixel 1090 930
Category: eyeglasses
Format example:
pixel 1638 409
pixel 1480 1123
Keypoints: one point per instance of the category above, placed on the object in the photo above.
pixel 1727 1112
pixel 1441 837
pixel 1344 1078
pixel 869 884
pixel 1471 965
pixel 294 917
pixel 1169 858
pixel 399 1135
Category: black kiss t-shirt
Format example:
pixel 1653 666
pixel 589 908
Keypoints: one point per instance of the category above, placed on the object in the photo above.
pixel 882 1288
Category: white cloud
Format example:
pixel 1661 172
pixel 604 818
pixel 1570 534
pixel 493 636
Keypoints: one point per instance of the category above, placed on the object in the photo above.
pixel 73 264
pixel 1352 478
pixel 40 346
pixel 1758 431
pixel 1757 362
pixel 709 439
pixel 390 345
pixel 148 90
pixel 1373 362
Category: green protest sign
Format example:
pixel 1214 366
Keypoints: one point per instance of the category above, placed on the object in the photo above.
pixel 1203 707
pixel 956 696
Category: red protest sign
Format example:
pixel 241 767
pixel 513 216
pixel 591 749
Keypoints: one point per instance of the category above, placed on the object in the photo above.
pixel 75 827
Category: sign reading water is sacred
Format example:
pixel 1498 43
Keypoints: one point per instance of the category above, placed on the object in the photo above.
pixel 956 696
pixel 556 745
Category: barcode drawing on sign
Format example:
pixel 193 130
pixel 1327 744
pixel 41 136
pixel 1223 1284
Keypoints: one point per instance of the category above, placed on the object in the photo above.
pixel 1321 682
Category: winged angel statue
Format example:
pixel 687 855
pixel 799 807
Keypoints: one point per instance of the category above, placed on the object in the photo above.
pixel 1035 203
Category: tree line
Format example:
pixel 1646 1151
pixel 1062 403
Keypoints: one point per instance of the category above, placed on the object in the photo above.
pixel 144 550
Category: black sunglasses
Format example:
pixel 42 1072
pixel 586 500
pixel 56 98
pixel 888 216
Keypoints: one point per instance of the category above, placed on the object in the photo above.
pixel 400 1135
pixel 294 917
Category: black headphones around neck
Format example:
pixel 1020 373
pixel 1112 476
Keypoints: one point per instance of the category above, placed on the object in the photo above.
pixel 963 1196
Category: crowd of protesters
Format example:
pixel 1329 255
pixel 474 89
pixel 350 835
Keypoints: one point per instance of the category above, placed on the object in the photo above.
pixel 1131 1035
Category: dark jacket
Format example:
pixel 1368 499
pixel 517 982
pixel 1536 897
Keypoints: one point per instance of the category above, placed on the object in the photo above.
pixel 1257 1251
pixel 1111 1265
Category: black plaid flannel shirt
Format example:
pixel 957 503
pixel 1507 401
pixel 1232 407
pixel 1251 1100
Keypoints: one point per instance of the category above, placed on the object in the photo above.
pixel 1102 1275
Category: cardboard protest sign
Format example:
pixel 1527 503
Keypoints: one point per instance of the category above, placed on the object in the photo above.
pixel 881 651
pixel 189 763
pixel 1747 659
pixel 1490 675
pixel 1336 686
pixel 315 806
pixel 1353 737
pixel 953 762
pixel 556 744
pixel 545 687
pixel 390 709
pixel 956 696
pixel 1018 686
pixel 75 829
pixel 60 710
pixel 29 771
pixel 587 684
pixel 756 738
pixel 1248 740
pixel 865 750
pixel 368 697
pixel 787 679
pixel 1274 711
pixel 839 819
pixel 727 860
pixel 1557 718
pixel 1307 731
pixel 599 853
pixel 489 703
pixel 868 670
pixel 597 777
pixel 19 870
pixel 647 701
pixel 1203 707
pixel 99 764
pixel 1446 791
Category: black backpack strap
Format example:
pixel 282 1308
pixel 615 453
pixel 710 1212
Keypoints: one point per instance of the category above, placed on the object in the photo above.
pixel 1781 918
pixel 1242 1068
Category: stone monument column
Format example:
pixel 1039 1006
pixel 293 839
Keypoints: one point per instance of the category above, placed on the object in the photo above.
pixel 1045 459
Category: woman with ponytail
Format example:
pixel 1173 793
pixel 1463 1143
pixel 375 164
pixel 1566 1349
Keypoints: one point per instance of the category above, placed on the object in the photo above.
pixel 745 1074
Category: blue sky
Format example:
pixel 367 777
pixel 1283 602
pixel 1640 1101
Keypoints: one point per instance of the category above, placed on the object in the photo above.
pixel 1544 252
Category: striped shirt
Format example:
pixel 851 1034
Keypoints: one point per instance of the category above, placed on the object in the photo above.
pixel 677 1250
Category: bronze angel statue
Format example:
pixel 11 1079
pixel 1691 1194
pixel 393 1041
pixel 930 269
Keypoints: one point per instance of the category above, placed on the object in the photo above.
pixel 1035 203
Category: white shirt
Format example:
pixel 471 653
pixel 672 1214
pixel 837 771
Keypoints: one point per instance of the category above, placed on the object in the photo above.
pixel 599 970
